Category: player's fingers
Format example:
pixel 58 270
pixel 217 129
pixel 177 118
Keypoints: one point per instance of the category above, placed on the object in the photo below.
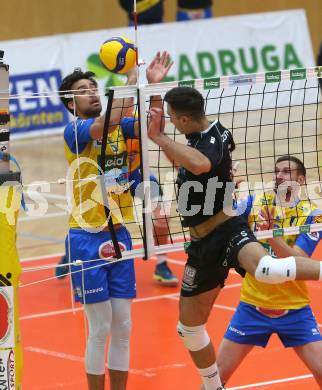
pixel 239 181
pixel 261 217
pixel 155 112
pixel 235 166
pixel 152 63
pixel 163 58
pixel 169 65
pixel 157 57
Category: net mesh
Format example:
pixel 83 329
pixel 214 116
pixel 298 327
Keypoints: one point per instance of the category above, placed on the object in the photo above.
pixel 268 114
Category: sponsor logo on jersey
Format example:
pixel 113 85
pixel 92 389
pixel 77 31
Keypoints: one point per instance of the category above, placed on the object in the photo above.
pixel 115 162
pixel 189 275
pixel 5 279
pixel 225 135
pixel 7 370
pixel 114 147
pixel 315 331
pixel 94 290
pixel 106 249
pixel 7 318
pixel 314 236
pixel 232 329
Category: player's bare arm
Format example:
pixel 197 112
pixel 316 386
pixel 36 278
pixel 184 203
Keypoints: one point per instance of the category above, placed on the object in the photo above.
pixel 119 109
pixel 156 72
pixel 190 158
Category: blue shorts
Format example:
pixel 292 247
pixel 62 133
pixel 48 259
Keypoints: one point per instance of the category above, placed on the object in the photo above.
pixel 101 280
pixel 136 178
pixel 249 326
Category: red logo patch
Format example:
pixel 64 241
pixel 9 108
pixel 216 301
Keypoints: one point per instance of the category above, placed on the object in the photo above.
pixel 106 249
pixel 4 315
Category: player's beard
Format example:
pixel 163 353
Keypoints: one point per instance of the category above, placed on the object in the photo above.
pixel 93 112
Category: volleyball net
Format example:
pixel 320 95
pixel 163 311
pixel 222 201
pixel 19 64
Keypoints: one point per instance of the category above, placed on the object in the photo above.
pixel 269 114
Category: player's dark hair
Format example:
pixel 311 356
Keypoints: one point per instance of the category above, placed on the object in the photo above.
pixel 69 80
pixel 300 166
pixel 186 101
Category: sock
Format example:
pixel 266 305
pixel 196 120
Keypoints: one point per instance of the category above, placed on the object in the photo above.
pixel 161 258
pixel 210 377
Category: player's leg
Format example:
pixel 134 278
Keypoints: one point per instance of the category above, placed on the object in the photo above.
pixel 311 355
pixel 247 328
pixel 119 346
pixel 254 259
pixel 229 357
pixel 121 281
pixel 99 318
pixel 204 275
pixel 91 289
pixel 299 330
pixel 194 313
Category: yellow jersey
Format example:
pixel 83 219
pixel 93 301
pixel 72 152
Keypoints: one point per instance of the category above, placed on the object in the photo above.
pixel 83 155
pixel 288 295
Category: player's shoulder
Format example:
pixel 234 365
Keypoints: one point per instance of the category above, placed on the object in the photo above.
pixel 225 134
pixel 217 128
pixel 77 124
pixel 316 215
pixel 69 130
pixel 308 208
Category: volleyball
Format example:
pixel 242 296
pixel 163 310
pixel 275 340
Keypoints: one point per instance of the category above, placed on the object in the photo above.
pixel 118 54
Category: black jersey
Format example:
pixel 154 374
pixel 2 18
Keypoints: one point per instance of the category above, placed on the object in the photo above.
pixel 152 13
pixel 194 4
pixel 200 196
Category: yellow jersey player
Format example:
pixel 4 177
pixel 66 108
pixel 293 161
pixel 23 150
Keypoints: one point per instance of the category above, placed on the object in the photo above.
pixel 283 308
pixel 106 290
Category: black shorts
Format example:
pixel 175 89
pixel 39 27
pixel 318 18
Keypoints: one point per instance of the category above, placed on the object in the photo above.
pixel 210 258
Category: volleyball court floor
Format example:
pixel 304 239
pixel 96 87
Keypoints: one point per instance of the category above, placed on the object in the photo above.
pixel 54 337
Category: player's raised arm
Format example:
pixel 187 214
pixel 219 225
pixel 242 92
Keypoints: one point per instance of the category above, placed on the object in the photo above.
pixel 119 109
pixel 189 158
pixel 156 72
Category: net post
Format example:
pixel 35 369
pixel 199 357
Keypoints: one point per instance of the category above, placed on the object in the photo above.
pixel 118 254
pixel 148 240
pixel 10 269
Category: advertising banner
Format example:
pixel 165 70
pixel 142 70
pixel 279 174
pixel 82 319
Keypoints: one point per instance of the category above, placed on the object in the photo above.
pixel 209 48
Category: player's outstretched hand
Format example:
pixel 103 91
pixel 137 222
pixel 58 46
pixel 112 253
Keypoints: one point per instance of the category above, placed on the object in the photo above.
pixel 155 123
pixel 159 67
pixel 266 217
